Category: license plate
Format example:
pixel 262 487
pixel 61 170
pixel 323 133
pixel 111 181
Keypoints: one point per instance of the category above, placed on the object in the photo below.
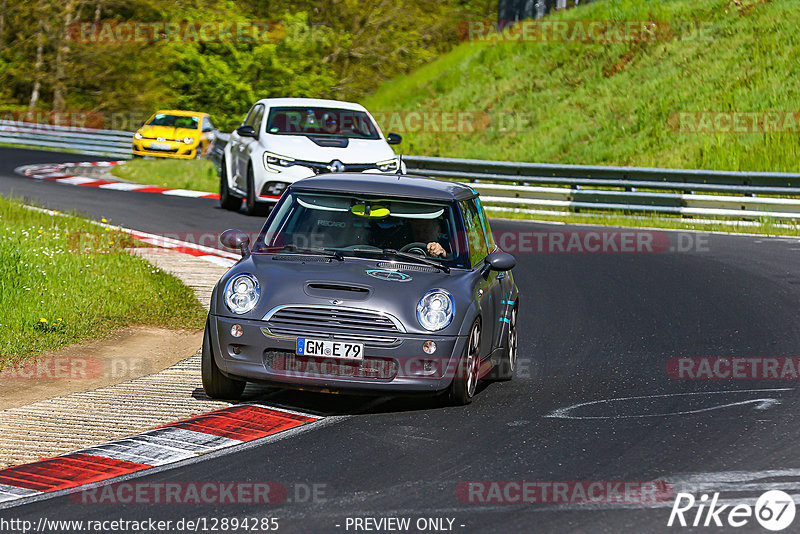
pixel 330 349
pixel 160 146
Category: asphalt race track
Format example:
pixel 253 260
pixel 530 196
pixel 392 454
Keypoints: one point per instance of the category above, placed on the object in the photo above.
pixel 594 327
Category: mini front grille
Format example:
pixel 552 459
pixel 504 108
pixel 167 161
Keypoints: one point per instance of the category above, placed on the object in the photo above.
pixel 331 320
pixel 293 365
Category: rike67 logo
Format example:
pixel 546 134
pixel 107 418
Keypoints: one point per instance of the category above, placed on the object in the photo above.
pixel 774 510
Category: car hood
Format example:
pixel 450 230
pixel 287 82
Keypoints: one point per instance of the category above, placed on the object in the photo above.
pixel 287 279
pixel 301 147
pixel 167 132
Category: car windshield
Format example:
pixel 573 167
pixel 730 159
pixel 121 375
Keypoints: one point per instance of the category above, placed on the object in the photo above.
pixel 174 121
pixel 368 227
pixel 321 122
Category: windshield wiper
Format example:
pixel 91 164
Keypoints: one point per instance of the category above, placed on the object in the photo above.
pixel 335 254
pixel 405 255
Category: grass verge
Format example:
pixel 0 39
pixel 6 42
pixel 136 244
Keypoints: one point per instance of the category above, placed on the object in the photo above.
pixel 194 174
pixel 614 102
pixel 66 280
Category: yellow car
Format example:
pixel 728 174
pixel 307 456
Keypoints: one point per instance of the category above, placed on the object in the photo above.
pixel 174 134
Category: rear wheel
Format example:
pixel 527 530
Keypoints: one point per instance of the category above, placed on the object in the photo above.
pixel 217 385
pixel 465 382
pixel 504 370
pixel 227 200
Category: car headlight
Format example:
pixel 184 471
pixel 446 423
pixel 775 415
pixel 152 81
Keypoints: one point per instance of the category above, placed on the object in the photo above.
pixel 188 140
pixel 274 162
pixel 436 309
pixel 390 165
pixel 242 293
pixel 137 135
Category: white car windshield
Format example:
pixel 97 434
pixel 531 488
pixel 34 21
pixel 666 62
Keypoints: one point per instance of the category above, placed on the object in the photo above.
pixel 321 122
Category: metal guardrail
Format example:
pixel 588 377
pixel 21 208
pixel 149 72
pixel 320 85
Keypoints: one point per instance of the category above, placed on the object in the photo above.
pixel 627 189
pixel 113 143
pixel 527 186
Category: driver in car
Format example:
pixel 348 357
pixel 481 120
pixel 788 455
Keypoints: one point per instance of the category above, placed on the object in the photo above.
pixel 427 231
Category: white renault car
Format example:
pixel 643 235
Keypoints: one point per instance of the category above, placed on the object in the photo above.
pixel 283 140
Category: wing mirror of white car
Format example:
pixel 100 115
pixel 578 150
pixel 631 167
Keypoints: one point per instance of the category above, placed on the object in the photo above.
pixel 246 131
pixel 394 139
pixel 236 240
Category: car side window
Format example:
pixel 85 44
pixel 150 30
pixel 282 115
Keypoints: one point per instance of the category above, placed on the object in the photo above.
pixel 252 115
pixel 476 238
pixel 207 125
pixel 257 117
pixel 487 229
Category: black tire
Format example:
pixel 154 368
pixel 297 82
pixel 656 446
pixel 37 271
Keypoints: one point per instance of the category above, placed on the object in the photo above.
pixel 227 200
pixel 217 385
pixel 505 368
pixel 251 206
pixel 465 381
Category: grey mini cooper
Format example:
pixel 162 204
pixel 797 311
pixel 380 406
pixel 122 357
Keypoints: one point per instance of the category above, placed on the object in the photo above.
pixel 361 283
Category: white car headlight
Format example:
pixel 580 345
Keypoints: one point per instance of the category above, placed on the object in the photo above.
pixel 242 293
pixel 188 140
pixel 390 165
pixel 436 309
pixel 274 162
pixel 137 135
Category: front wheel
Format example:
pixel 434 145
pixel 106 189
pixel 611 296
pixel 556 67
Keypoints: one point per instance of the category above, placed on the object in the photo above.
pixel 227 200
pixel 217 385
pixel 465 382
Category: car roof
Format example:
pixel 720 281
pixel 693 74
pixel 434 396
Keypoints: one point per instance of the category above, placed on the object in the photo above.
pixel 314 102
pixel 394 185
pixel 181 112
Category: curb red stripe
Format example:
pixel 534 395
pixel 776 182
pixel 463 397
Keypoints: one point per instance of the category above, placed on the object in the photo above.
pixel 98 183
pixel 165 445
pixel 244 423
pixel 68 471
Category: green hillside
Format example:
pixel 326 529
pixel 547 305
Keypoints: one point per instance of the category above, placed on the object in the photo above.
pixel 619 103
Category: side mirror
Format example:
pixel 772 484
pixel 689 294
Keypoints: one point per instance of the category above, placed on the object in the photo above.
pixel 246 131
pixel 236 240
pixel 500 261
pixel 394 139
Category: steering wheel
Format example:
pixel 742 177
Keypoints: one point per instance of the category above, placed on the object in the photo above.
pixel 416 248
